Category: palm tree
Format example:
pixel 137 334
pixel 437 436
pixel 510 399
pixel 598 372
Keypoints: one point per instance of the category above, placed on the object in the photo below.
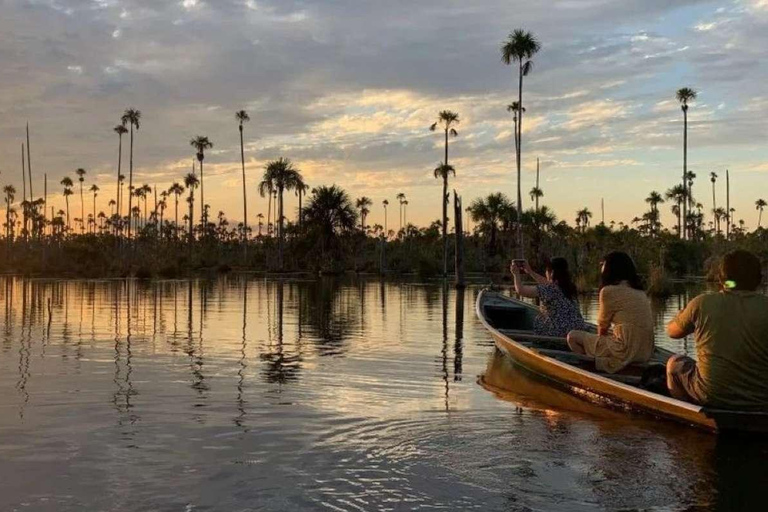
pixel 514 107
pixel 685 95
pixel 191 182
pixel 654 199
pixel 719 214
pixel 446 120
pixel 10 193
pixel 385 203
pixel 279 175
pixel 201 143
pixel 582 218
pixel 401 198
pixel 520 47
pixel 131 116
pixel 120 130
pixel 678 195
pixel 329 214
pixel 81 178
pixel 242 117
pixel 362 204
pixel 176 190
pixel 94 188
pixel 489 214
pixel 713 179
pixel 260 216
pixel 146 191
pixel 536 193
pixel 760 204
pixel 68 184
pixel 442 171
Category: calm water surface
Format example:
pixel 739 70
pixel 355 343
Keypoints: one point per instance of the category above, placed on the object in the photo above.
pixel 252 394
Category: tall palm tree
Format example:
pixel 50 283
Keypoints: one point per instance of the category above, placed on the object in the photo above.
pixel 94 188
pixel 131 117
pixel 713 179
pixel 176 190
pixel 201 143
pixel 443 171
pixel 760 204
pixel 120 130
pixel 685 95
pixel 191 182
pixel 400 198
pixel 520 47
pixel 282 176
pixel 385 203
pixel 10 194
pixel 81 178
pixel 242 117
pixel 68 184
pixel 363 204
pixel 445 120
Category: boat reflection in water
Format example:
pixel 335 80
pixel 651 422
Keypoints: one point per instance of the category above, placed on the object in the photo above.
pixel 723 473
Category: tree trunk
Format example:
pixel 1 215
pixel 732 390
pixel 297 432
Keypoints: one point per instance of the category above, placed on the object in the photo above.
pixel 727 205
pixel 445 208
pixel 119 166
pixel 459 228
pixel 280 233
pixel 245 198
pixel 685 173
pixel 521 249
pixel 269 214
pixel 203 213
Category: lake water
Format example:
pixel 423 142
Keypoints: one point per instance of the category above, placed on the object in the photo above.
pixel 249 394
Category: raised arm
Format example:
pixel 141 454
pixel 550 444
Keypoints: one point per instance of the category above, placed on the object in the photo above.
pixel 536 277
pixel 523 290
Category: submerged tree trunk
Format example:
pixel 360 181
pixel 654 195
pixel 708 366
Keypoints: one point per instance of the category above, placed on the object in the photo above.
pixel 459 229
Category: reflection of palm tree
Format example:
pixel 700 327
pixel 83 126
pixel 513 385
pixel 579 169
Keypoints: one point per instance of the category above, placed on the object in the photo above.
pixel 458 348
pixel 280 368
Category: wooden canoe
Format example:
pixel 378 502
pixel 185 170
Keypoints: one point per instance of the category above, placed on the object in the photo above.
pixel 510 322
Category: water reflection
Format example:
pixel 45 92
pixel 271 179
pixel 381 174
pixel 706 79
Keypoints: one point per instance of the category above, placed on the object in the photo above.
pixel 328 394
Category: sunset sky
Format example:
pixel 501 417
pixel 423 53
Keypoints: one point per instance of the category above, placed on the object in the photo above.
pixel 348 88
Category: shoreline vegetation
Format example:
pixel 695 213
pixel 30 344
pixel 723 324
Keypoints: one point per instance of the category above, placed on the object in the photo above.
pixel 156 235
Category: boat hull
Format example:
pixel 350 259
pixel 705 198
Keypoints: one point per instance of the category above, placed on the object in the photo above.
pixel 600 388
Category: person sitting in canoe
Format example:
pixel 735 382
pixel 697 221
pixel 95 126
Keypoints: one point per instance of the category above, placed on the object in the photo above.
pixel 557 293
pixel 624 319
pixel 731 332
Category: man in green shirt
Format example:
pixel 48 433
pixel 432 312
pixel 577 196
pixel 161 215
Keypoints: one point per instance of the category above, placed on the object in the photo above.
pixel 731 332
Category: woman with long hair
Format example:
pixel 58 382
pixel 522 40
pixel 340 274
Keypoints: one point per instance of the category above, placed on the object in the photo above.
pixel 624 320
pixel 559 309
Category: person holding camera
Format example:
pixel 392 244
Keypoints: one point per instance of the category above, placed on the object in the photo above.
pixel 559 312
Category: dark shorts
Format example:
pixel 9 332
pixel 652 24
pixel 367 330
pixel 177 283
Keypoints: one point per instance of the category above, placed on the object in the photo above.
pixel 681 378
